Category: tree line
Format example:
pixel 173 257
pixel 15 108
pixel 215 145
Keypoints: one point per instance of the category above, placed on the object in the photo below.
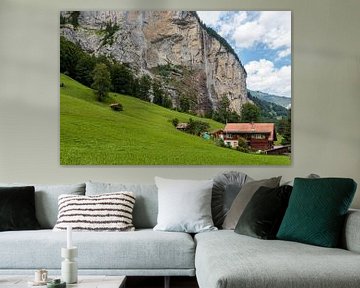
pixel 105 74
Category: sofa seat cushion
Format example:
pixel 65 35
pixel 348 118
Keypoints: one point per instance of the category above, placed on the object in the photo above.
pixel 142 249
pixel 226 259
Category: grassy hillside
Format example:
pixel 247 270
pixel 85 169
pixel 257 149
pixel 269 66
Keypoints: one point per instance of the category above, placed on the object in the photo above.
pixel 92 134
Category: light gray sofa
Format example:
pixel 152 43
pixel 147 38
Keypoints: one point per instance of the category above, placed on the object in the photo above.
pixel 226 259
pixel 220 259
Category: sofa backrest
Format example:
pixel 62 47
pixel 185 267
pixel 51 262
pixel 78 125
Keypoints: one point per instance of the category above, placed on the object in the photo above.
pixel 146 203
pixel 351 236
pixel 46 200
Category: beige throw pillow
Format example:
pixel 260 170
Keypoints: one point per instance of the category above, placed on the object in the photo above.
pixel 243 198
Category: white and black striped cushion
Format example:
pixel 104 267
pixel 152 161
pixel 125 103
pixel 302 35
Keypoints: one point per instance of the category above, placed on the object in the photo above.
pixel 105 212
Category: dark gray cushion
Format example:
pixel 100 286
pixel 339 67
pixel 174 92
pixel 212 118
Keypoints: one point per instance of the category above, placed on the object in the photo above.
pixel 17 208
pixel 225 189
pixel 243 198
pixel 263 215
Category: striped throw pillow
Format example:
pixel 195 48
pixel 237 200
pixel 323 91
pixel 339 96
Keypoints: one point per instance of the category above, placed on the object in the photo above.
pixel 105 212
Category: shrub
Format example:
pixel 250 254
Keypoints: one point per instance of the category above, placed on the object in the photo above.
pixel 175 121
pixel 109 31
pixel 197 127
pixel 242 145
pixel 220 142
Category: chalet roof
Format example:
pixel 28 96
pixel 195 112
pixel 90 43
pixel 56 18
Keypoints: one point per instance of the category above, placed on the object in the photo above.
pixel 251 128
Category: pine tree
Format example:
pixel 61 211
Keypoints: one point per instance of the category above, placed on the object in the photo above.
pixel 70 54
pixel 158 93
pixel 121 79
pixel 223 110
pixel 167 103
pixel 250 113
pixel 102 81
pixel 184 103
pixel 84 68
pixel 144 87
pixel 135 91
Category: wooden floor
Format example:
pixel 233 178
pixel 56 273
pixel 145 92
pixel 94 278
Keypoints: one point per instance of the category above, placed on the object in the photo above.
pixel 158 282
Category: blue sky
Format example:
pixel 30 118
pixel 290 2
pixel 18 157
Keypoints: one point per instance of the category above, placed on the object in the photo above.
pixel 262 40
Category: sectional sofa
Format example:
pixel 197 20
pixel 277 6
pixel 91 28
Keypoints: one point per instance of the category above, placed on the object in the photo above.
pixel 219 259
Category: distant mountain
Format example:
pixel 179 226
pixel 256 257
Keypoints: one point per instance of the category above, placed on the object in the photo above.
pixel 270 112
pixel 279 100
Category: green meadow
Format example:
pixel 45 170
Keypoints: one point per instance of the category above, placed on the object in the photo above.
pixel 93 134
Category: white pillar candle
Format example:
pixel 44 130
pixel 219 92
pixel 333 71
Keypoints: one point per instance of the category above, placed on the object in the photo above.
pixel 69 237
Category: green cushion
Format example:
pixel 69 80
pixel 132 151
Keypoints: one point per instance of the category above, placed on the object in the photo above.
pixel 316 211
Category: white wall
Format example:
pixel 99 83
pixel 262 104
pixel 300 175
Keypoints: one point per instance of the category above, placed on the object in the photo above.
pixel 326 91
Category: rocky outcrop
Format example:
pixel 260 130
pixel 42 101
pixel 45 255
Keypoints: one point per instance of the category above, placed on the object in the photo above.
pixel 197 65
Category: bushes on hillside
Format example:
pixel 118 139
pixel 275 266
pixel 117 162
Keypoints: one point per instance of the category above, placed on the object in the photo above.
pixel 175 122
pixel 70 54
pixel 84 67
pixel 196 127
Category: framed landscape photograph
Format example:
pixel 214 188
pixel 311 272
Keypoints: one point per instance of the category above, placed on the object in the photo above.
pixel 175 88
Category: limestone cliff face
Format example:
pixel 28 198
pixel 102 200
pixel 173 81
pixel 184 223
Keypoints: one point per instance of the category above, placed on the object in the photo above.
pixel 201 68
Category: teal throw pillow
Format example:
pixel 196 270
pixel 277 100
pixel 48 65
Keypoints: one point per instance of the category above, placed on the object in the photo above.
pixel 316 211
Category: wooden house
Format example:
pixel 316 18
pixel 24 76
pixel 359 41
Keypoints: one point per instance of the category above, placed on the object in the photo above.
pixel 259 136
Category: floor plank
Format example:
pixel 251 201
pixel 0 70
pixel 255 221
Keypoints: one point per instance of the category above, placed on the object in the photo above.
pixel 158 282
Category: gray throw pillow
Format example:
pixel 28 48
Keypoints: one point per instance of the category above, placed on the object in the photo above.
pixel 310 176
pixel 226 187
pixel 184 205
pixel 242 199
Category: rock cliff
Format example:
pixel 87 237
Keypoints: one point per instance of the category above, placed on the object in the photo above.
pixel 172 46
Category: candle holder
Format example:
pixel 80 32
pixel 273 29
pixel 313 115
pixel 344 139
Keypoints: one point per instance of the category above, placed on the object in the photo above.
pixel 69 271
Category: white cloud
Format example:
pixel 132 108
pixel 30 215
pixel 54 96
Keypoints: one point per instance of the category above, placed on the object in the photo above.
pixel 210 18
pixel 263 76
pixel 272 28
pixel 247 34
pixel 284 53
pixel 239 18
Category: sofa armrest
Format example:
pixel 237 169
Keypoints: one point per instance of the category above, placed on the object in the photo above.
pixel 351 234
